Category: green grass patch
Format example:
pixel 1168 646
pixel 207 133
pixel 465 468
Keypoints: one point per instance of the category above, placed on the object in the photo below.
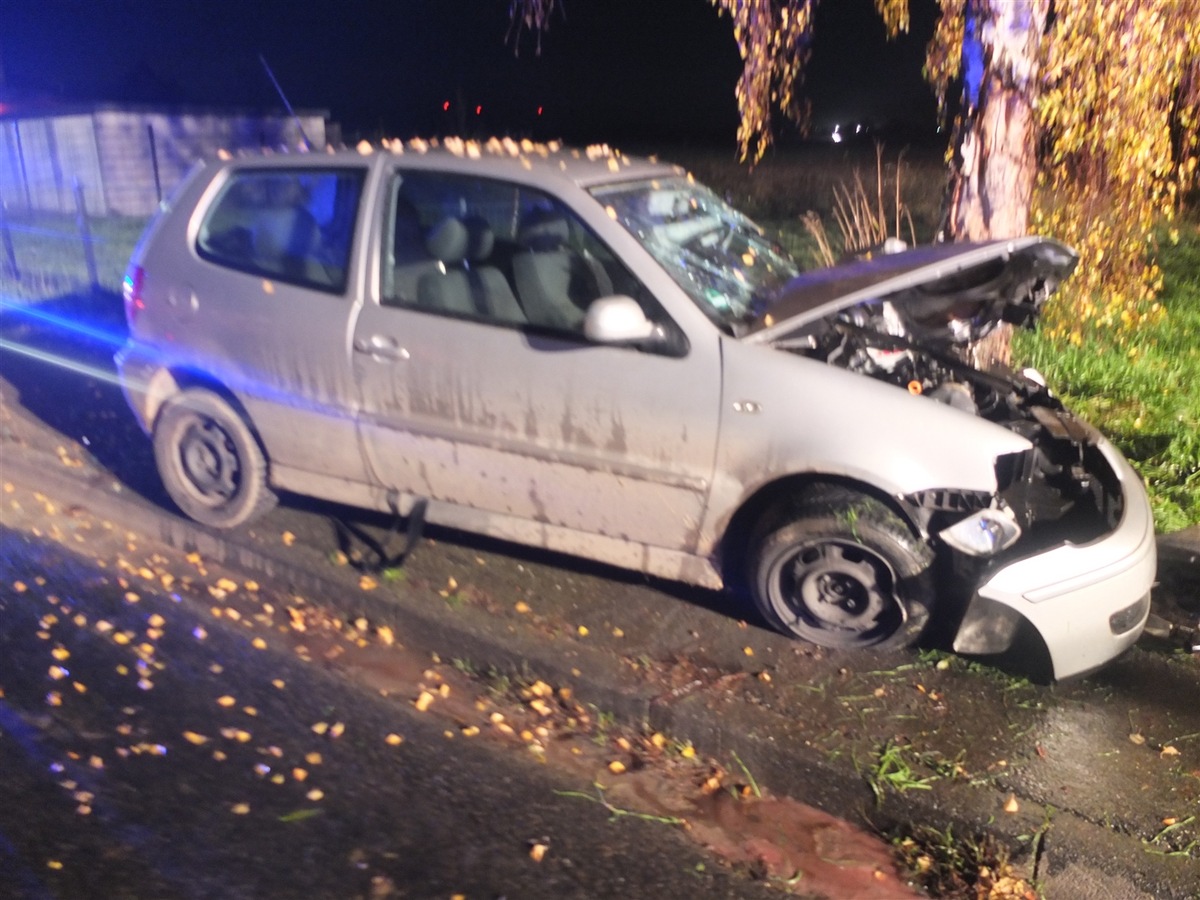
pixel 1142 389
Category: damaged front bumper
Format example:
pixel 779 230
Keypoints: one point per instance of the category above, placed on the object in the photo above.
pixel 1088 602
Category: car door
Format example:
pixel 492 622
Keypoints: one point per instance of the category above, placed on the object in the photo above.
pixel 465 400
pixel 268 311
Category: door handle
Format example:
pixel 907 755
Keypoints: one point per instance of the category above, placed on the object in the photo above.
pixel 380 346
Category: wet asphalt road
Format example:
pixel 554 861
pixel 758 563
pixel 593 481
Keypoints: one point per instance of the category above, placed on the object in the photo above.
pixel 127 773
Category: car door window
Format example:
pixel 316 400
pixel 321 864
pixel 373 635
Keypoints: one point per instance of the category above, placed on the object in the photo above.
pixel 498 252
pixel 294 225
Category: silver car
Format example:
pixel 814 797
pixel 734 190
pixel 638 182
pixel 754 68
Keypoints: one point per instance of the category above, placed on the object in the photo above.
pixel 595 354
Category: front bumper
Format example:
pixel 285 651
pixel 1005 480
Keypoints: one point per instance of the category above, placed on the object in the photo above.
pixel 1089 602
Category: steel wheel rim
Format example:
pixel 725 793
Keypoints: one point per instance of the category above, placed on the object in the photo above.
pixel 836 593
pixel 209 460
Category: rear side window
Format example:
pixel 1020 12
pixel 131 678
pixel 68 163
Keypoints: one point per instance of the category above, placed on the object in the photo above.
pixel 292 225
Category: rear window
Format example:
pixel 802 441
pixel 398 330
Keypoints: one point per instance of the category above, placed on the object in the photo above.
pixel 293 225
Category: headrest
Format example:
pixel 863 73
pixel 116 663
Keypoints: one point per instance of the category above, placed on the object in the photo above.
pixel 480 238
pixel 408 234
pixel 544 229
pixel 447 241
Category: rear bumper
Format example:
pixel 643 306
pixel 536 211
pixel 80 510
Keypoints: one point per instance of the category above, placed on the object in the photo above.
pixel 136 370
pixel 1089 603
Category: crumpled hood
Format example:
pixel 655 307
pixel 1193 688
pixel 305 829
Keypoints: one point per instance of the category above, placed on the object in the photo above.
pixel 943 294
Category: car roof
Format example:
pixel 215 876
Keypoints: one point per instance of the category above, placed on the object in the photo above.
pixel 499 157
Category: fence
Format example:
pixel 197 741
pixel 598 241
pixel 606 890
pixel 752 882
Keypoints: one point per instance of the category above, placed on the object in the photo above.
pixel 124 161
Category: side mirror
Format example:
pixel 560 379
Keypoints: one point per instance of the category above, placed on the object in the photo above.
pixel 618 320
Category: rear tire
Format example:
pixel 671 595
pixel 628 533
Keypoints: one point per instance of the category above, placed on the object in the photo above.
pixel 840 569
pixel 210 462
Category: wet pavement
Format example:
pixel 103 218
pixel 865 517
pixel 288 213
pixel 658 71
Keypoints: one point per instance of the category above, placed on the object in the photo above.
pixel 150 749
pixel 1094 784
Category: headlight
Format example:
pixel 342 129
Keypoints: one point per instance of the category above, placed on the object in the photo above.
pixel 984 533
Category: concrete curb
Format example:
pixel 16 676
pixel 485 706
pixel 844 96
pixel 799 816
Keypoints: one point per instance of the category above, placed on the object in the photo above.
pixel 769 744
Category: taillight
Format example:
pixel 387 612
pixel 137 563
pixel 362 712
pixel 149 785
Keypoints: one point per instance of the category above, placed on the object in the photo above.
pixel 132 290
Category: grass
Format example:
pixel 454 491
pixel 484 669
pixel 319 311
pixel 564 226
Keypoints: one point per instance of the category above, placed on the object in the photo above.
pixel 50 256
pixel 893 771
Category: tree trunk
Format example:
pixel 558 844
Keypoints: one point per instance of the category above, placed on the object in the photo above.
pixel 995 160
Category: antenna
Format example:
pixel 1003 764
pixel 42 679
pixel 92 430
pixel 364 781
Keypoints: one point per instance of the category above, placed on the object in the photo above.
pixel 287 106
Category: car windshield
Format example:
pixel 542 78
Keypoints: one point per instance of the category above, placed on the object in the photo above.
pixel 724 261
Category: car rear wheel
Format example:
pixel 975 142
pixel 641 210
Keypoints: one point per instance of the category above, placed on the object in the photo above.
pixel 840 569
pixel 210 462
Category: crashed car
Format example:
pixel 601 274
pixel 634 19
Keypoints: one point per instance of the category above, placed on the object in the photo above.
pixel 594 354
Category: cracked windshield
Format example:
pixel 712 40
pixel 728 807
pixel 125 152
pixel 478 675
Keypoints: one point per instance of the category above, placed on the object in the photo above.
pixel 724 261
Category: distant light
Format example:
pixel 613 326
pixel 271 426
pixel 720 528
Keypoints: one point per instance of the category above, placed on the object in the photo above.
pixel 837 134
pixel 478 110
pixel 539 110
pixel 446 106
pixel 858 129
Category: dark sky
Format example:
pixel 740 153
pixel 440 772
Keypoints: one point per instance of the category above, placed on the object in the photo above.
pixel 608 69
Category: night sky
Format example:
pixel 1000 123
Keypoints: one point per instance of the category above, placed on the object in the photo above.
pixel 609 70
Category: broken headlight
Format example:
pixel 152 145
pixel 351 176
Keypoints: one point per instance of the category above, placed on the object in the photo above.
pixel 983 533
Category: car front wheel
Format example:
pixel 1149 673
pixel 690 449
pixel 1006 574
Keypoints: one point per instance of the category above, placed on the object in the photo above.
pixel 210 462
pixel 840 569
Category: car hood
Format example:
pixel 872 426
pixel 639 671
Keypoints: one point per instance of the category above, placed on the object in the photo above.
pixel 939 295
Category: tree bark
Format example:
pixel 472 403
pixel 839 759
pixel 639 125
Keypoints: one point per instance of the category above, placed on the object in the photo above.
pixel 995 160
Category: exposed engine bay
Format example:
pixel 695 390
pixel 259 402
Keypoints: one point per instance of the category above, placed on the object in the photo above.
pixel 872 339
pixel 1063 484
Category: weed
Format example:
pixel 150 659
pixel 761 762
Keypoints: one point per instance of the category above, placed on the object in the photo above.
pixel 465 666
pixel 394 574
pixel 851 516
pixel 605 723
pixel 1188 850
pixel 616 812
pixel 749 777
pixel 498 683
pixel 892 771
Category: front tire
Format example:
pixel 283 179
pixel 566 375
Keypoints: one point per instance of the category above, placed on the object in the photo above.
pixel 841 570
pixel 210 462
